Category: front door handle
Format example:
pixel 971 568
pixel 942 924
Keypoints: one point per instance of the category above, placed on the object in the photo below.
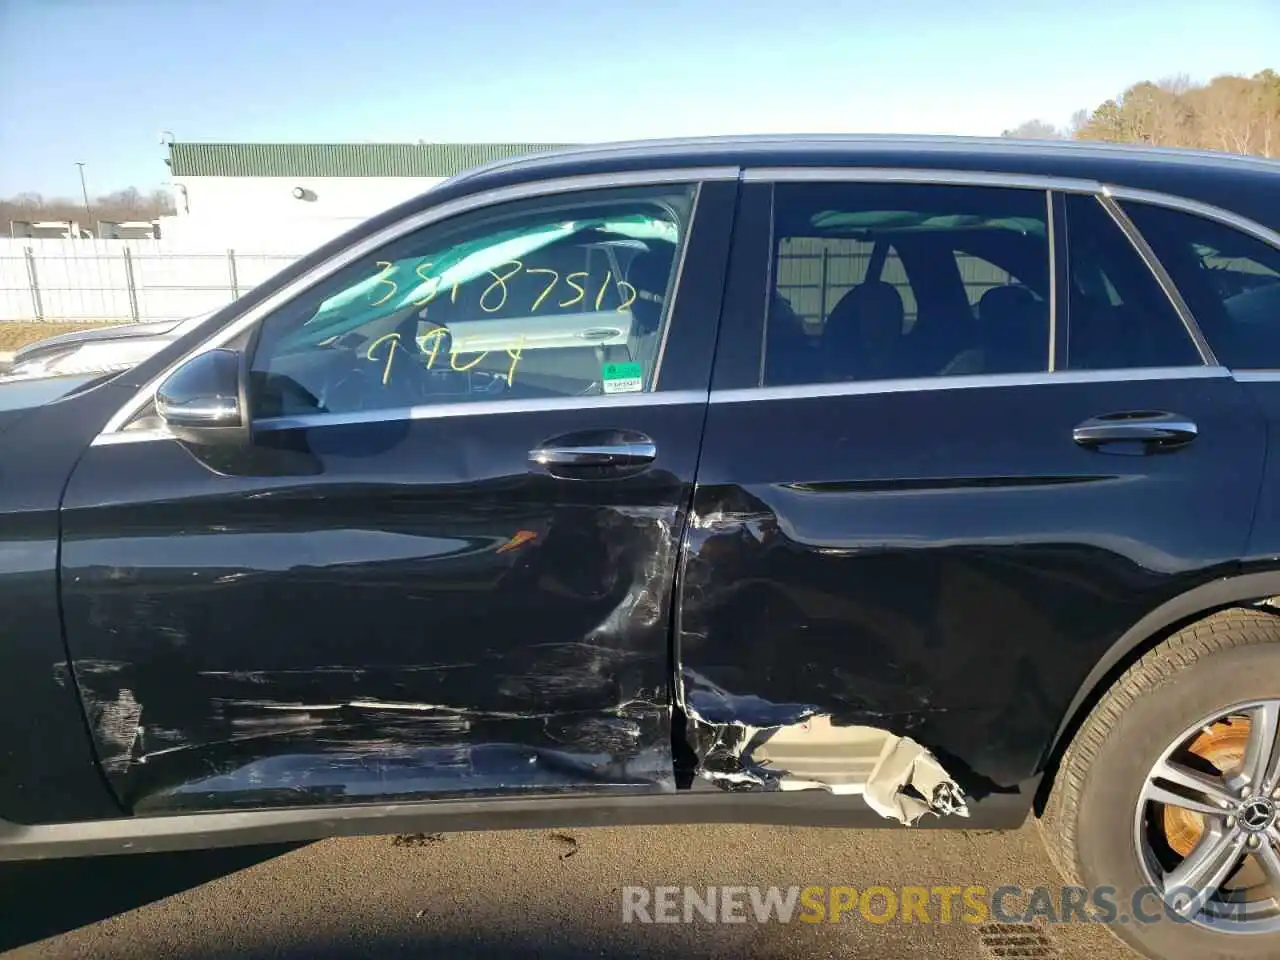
pixel 1155 430
pixel 601 455
pixel 595 454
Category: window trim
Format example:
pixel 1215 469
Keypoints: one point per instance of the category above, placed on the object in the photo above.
pixel 990 381
pixel 1227 218
pixel 939 177
pixel 1051 227
pixel 1157 269
pixel 423 218
pixel 432 411
pixel 727 395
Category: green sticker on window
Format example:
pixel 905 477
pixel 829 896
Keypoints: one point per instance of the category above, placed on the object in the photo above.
pixel 622 377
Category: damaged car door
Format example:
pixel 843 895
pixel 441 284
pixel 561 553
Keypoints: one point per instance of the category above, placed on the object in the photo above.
pixel 441 564
pixel 928 505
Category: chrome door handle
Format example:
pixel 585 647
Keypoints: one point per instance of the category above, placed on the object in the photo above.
pixel 1158 430
pixel 601 455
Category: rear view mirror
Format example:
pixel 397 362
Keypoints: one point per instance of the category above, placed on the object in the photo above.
pixel 204 400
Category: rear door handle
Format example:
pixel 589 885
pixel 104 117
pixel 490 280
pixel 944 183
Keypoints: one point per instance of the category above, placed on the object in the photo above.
pixel 1155 430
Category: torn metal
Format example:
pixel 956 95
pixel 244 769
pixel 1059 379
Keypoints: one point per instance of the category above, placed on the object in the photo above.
pixel 746 743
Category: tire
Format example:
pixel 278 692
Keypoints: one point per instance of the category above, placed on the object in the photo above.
pixel 1089 824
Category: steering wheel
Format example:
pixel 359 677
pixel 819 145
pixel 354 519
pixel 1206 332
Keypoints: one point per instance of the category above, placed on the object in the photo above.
pixel 362 384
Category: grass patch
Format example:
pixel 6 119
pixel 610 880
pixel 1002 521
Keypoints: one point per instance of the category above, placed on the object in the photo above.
pixel 18 333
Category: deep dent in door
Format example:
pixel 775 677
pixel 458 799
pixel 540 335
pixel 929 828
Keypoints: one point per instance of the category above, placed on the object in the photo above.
pixel 744 742
pixel 378 746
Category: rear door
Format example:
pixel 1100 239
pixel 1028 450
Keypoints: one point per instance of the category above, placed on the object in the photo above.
pixel 938 493
pixel 444 566
pixel 1228 271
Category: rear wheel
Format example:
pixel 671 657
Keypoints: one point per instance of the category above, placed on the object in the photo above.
pixel 1170 794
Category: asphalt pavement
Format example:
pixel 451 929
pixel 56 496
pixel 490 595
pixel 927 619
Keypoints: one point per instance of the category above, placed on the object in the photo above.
pixel 551 894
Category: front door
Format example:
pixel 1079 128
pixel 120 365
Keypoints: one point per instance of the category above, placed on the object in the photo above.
pixel 443 568
pixel 932 504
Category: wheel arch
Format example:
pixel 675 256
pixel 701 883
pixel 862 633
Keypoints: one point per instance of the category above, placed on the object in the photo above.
pixel 1247 589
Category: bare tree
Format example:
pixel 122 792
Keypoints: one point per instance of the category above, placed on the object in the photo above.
pixel 120 205
pixel 1034 130
pixel 1079 120
pixel 1178 84
pixel 1230 113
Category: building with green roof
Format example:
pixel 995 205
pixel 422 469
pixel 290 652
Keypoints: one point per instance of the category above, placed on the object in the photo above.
pixel 277 196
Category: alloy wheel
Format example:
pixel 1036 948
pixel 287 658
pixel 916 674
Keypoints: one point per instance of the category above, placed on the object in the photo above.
pixel 1207 824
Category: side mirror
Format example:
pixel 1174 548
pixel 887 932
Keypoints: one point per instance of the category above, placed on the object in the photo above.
pixel 204 401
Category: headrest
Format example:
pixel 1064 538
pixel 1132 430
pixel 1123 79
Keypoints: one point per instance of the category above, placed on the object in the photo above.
pixel 875 298
pixel 1009 302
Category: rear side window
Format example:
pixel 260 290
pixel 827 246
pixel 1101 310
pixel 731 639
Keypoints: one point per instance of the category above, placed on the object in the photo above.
pixel 1230 280
pixel 883 281
pixel 814 273
pixel 1118 315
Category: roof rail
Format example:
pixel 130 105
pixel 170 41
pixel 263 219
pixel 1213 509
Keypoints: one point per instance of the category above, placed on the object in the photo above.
pixel 944 142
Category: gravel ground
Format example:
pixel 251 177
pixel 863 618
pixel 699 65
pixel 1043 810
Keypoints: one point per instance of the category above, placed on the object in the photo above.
pixel 525 893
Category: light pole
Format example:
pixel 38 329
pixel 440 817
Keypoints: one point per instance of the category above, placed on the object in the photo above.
pixel 84 192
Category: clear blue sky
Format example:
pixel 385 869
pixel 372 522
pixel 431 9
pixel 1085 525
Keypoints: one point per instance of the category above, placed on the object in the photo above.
pixel 98 80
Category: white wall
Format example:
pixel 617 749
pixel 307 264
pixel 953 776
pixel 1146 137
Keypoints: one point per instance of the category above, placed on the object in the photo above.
pixel 254 223
pixel 262 213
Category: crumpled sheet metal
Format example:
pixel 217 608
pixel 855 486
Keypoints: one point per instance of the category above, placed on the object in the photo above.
pixel 907 764
pixel 897 777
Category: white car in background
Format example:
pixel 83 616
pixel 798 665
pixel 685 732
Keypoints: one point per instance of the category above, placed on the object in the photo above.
pixel 104 350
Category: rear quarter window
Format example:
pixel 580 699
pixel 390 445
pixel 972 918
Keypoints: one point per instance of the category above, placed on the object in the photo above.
pixel 1229 279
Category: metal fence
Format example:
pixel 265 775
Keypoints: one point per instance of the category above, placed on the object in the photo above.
pixel 813 274
pixel 123 280
pixel 131 280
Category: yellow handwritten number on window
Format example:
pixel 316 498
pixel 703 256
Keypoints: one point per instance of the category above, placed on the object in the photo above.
pixel 499 281
pixel 582 292
pixel 515 356
pixel 603 287
pixel 394 340
pixel 627 301
pixel 453 361
pixel 499 288
pixel 555 278
pixel 433 284
pixel 385 278
pixel 436 337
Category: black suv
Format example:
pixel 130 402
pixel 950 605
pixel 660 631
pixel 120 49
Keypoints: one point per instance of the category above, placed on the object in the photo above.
pixel 839 481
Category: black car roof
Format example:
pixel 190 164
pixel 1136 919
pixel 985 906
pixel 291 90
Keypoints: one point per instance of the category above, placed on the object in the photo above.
pixel 1246 185
pixel 771 150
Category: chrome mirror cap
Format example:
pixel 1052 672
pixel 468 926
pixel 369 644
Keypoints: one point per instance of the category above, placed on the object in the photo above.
pixel 203 401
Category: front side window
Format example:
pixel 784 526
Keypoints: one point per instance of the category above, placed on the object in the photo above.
pixel 554 297
pixel 881 281
pixel 1229 279
pixel 1118 315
